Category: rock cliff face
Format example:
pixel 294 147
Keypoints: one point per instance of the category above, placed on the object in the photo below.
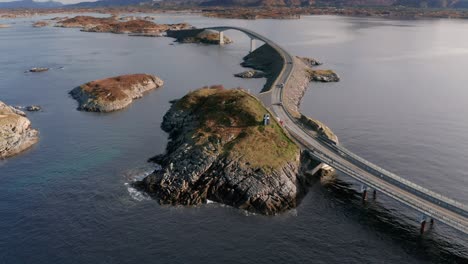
pixel 114 93
pixel 16 134
pixel 220 151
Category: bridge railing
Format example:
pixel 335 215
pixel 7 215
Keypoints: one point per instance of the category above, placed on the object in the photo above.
pixel 409 202
pixel 461 207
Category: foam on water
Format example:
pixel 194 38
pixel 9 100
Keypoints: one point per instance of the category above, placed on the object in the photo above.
pixel 138 174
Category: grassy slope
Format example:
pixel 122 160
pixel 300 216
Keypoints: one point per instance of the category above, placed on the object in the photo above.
pixel 235 116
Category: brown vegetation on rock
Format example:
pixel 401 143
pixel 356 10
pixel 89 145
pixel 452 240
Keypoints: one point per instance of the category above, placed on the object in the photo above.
pixel 112 25
pixel 114 93
pixel 220 151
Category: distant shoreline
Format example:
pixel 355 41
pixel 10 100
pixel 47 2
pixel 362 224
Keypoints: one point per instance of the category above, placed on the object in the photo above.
pixel 253 13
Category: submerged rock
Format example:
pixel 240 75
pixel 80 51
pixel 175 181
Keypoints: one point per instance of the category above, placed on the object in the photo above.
pixel 250 74
pixel 33 108
pixel 16 134
pixel 38 69
pixel 220 151
pixel 114 93
pixel 40 24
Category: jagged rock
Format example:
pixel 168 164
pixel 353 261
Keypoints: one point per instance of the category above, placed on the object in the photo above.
pixel 114 93
pixel 4 26
pixel 33 108
pixel 16 134
pixel 250 74
pixel 219 151
pixel 310 61
pixel 324 76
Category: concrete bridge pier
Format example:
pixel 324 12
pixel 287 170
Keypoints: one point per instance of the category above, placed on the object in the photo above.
pixel 423 224
pixel 221 38
pixel 364 192
pixel 252 44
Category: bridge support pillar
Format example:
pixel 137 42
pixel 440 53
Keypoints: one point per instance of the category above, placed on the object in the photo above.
pixel 364 192
pixel 252 44
pixel 221 38
pixel 374 194
pixel 423 224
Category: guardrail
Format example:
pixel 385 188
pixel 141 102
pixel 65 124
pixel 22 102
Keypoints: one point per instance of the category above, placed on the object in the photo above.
pixel 373 184
pixel 461 207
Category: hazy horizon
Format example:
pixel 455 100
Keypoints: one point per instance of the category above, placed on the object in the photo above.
pixel 62 1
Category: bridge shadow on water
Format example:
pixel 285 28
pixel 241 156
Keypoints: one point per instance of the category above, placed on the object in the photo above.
pixel 395 223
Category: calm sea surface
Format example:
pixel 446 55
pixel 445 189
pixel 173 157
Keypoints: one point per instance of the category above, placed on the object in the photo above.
pixel 402 103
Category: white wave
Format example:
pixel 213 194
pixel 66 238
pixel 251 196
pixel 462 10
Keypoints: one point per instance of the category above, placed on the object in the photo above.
pixel 135 194
pixel 138 174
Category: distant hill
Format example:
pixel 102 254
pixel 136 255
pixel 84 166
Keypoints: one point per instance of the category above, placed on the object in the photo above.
pixel 30 4
pixel 257 3
pixel 337 3
pixel 105 3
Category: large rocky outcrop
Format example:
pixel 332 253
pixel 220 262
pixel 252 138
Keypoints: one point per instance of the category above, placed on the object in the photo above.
pixel 197 36
pixel 114 93
pixel 220 151
pixel 16 134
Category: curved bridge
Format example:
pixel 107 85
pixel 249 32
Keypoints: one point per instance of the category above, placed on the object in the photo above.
pixel 429 203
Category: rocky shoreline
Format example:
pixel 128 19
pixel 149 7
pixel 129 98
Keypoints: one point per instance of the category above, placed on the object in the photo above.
pixel 212 155
pixel 16 134
pixel 118 26
pixel 114 93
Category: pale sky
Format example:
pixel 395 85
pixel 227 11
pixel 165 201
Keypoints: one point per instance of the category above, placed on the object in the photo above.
pixel 63 1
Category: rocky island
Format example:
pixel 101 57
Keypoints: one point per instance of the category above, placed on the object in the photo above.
pixel 114 93
pixel 219 150
pixel 250 74
pixel 16 134
pixel 114 25
pixel 323 76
